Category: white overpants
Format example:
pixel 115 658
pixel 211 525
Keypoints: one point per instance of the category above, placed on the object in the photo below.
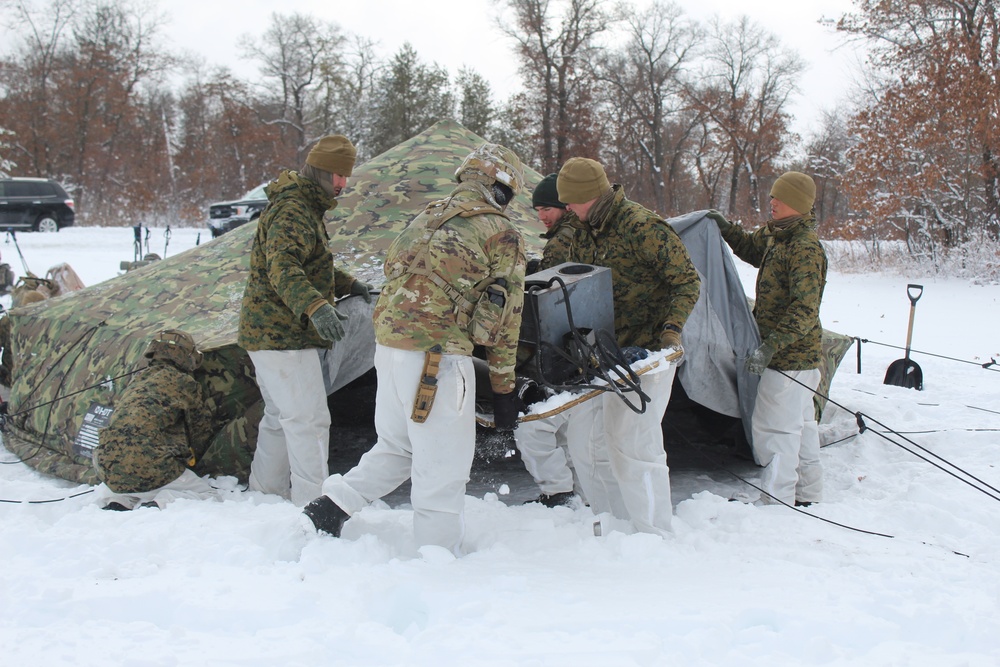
pixel 544 450
pixel 293 441
pixel 188 485
pixel 786 436
pixel 436 455
pixel 620 459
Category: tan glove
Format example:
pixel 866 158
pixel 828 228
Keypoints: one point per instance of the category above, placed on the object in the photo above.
pixel 670 338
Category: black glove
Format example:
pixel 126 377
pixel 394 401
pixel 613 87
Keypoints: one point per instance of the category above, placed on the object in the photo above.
pixel 719 219
pixel 364 290
pixel 505 409
pixel 329 322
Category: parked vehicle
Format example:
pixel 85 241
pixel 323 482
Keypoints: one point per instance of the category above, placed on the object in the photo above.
pixel 34 204
pixel 226 216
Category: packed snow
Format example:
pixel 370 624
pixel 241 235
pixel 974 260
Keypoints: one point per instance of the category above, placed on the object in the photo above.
pixel 243 582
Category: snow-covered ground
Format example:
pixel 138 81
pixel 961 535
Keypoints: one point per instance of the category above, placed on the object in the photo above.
pixel 240 582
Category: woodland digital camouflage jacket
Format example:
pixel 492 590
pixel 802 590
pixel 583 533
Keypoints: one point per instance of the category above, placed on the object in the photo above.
pixel 790 287
pixel 568 238
pixel 413 313
pixel 159 423
pixel 655 283
pixel 291 267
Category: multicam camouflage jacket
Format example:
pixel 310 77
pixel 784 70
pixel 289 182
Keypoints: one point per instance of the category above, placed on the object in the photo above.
pixel 415 313
pixel 159 424
pixel 291 267
pixel 655 283
pixel 790 287
pixel 568 238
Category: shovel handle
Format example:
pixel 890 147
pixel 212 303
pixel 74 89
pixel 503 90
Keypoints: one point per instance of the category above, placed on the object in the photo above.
pixel 910 289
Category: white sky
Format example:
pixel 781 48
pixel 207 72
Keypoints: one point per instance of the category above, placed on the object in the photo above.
pixel 456 33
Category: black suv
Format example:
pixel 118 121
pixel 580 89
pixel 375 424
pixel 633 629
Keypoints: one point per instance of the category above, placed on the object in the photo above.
pixel 38 204
pixel 225 216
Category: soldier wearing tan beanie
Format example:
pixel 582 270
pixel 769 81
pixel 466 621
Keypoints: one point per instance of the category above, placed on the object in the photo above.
pixel 792 276
pixel 288 320
pixel 655 288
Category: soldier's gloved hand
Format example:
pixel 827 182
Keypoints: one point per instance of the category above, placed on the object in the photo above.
pixel 364 290
pixel 761 357
pixel 633 354
pixel 505 409
pixel 720 220
pixel 329 322
pixel 672 339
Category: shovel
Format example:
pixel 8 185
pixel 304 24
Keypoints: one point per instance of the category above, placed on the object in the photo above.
pixel 905 372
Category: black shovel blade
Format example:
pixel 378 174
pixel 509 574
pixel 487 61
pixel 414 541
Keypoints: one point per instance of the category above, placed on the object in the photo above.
pixel 905 373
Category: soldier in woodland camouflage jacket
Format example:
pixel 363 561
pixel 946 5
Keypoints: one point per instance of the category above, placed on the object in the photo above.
pixel 288 316
pixel 454 279
pixel 160 427
pixel 790 286
pixel 623 466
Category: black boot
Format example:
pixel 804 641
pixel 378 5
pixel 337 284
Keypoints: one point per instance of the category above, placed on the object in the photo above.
pixel 115 506
pixel 561 499
pixel 326 515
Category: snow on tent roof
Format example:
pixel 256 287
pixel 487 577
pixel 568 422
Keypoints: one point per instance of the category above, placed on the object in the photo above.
pixel 77 350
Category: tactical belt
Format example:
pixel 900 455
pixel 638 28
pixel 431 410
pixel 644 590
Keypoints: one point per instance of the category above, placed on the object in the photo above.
pixel 427 388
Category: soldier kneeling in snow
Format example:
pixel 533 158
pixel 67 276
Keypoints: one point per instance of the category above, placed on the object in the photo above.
pixel 159 428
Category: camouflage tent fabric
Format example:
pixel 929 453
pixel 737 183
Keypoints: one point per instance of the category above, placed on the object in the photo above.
pixel 74 355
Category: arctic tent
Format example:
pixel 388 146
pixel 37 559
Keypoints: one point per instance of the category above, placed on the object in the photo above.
pixel 75 354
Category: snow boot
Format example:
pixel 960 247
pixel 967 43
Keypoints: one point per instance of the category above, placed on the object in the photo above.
pixel 561 499
pixel 115 506
pixel 326 515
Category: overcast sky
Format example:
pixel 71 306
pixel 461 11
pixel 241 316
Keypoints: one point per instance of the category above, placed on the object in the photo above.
pixel 454 33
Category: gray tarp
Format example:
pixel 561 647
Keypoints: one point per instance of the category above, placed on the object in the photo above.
pixel 723 326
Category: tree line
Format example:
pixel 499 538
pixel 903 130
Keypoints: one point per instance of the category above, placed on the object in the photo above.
pixel 687 114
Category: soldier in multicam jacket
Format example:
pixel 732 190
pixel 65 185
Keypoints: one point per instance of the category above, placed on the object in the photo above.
pixel 790 286
pixel 159 429
pixel 288 317
pixel 623 469
pixel 454 279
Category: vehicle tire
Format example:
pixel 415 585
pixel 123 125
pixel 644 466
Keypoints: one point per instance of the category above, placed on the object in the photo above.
pixel 46 223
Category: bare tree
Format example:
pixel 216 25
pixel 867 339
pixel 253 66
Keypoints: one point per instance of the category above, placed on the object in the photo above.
pixel 644 88
pixel 293 53
pixel 746 84
pixel 555 66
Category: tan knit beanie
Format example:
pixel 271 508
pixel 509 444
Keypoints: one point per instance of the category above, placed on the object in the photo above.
pixel 795 189
pixel 581 180
pixel 334 154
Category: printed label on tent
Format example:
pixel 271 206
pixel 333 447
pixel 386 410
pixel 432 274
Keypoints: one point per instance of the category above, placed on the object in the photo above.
pixel 86 441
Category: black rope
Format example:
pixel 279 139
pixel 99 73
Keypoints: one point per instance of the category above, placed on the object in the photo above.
pixel 987 366
pixel 862 427
pixel 800 510
pixel 43 502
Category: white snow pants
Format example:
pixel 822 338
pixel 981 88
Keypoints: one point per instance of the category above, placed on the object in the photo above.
pixel 436 455
pixel 293 441
pixel 188 485
pixel 544 450
pixel 786 436
pixel 619 455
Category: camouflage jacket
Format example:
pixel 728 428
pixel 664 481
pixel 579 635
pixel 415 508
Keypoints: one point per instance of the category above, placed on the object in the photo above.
pixel 790 287
pixel 159 422
pixel 291 267
pixel 568 238
pixel 655 283
pixel 414 313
